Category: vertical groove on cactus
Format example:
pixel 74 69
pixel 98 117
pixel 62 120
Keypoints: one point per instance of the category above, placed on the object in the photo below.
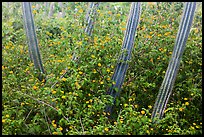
pixel 31 36
pixel 128 42
pixel 91 12
pixel 173 67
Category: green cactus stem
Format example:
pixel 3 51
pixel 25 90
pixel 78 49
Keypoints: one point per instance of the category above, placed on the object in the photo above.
pixel 31 38
pixel 128 42
pixel 173 67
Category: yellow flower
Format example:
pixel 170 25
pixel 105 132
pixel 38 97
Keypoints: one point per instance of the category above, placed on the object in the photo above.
pixel 151 60
pixel 196 31
pixel 101 82
pixel 160 49
pixel 115 123
pixel 192 94
pixel 149 37
pixel 54 92
pixel 92 56
pixel 167 33
pixel 180 109
pixel 60 128
pixel 142 112
pixel 159 35
pixel 87 102
pixel 94 71
pixel 80 72
pixel 89 106
pixel 125 105
pixel 80 11
pixel 11 72
pixel 54 125
pixel 106 129
pixel 22 104
pixel 150 106
pixel 7 116
pixel 108 70
pixel 34 87
pixel 192 127
pixel 186 103
pixel 77 85
pixel 114 83
pixel 59 60
pixel 99 64
pixel 63 97
pixel 3 120
pixel 93 81
pixel 123 29
pixel 109 12
pixel 185 99
pixel 118 15
pixel 108 78
pixel 194 124
pixel 121 121
pixel 136 106
pixel 54 133
pixel 130 99
pixel 34 11
pixel 89 94
pixel 64 79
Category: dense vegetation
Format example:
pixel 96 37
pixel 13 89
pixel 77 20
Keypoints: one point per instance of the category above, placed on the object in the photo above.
pixel 73 98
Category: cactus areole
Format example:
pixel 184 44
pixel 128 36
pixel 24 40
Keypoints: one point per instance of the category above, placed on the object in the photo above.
pixel 128 42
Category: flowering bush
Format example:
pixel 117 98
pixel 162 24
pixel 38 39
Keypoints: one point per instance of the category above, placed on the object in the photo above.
pixel 73 98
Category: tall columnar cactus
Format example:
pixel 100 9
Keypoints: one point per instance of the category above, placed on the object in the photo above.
pixel 173 67
pixel 127 46
pixel 51 11
pixel 61 14
pixel 31 37
pixel 91 12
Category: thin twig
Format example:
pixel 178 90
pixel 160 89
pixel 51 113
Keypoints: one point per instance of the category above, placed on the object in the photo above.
pixel 28 115
pixel 39 101
pixel 47 122
pixel 66 69
pixel 81 125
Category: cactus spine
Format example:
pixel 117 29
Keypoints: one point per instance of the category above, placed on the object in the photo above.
pixel 31 36
pixel 173 67
pixel 127 46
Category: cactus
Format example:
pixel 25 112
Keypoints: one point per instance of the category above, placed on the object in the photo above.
pixel 91 12
pixel 127 46
pixel 61 14
pixel 31 37
pixel 51 11
pixel 173 67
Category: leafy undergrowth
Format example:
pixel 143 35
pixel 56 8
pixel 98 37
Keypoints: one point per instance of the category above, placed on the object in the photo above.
pixel 73 97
